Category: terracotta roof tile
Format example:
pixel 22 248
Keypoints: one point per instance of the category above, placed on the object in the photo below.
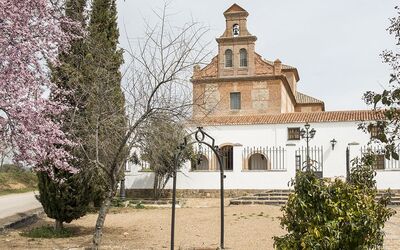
pixel 284 66
pixel 303 98
pixel 297 117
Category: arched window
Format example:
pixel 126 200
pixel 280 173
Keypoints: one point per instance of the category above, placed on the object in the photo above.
pixel 243 57
pixel 258 161
pixel 228 58
pixel 227 154
pixel 200 163
pixel 235 30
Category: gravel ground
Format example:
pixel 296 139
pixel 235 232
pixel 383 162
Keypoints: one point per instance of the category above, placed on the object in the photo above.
pixel 197 227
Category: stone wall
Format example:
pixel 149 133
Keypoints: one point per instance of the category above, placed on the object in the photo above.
pixel 202 193
pixel 192 193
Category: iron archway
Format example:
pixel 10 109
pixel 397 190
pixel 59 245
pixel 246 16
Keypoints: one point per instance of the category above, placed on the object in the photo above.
pixel 200 137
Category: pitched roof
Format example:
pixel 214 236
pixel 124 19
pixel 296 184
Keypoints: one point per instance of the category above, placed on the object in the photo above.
pixel 235 8
pixel 297 117
pixel 305 99
pixel 284 66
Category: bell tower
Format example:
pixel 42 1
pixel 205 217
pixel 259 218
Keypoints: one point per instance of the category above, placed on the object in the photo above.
pixel 236 45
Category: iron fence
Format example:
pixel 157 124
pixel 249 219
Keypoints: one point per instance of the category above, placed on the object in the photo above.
pixel 143 166
pixel 316 155
pixel 204 160
pixel 264 158
pixel 380 161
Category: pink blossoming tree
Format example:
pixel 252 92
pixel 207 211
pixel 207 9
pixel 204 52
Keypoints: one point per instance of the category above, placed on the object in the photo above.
pixel 32 33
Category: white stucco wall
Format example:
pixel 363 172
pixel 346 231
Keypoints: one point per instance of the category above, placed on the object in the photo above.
pixel 272 135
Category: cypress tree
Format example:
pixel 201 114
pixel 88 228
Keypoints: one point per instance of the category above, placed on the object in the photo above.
pixel 97 119
pixel 65 196
pixel 103 62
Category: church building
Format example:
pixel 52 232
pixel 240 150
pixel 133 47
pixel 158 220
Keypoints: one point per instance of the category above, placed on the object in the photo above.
pixel 238 81
pixel 252 107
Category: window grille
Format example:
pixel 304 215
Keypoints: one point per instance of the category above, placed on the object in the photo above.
pixel 374 131
pixel 379 161
pixel 227 154
pixel 235 100
pixel 293 133
pixel 228 58
pixel 243 57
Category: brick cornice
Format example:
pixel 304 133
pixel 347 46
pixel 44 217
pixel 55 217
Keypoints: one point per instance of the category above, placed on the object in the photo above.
pixel 236 79
pixel 237 39
pixel 296 73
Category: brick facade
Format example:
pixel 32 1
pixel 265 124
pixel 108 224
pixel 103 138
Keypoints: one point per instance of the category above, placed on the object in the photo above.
pixel 265 87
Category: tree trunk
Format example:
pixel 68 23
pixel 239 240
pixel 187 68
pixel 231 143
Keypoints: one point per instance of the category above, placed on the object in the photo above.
pixel 58 226
pixel 98 233
pixel 155 187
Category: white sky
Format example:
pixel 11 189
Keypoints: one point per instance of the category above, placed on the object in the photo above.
pixel 335 45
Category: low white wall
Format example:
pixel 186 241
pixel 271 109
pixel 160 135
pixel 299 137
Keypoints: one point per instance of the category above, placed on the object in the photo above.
pixel 235 179
pixel 388 179
pixel 275 135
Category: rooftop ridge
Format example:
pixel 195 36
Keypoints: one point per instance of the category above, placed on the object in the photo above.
pixel 302 98
pixel 294 117
pixel 234 8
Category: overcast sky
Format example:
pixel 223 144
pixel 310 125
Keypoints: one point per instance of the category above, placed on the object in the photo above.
pixel 335 45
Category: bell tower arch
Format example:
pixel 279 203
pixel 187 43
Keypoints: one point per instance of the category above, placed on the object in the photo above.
pixel 236 46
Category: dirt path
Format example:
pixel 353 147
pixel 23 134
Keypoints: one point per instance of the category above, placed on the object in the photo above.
pixel 247 227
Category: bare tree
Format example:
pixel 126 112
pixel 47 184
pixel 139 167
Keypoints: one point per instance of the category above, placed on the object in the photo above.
pixel 157 85
pixel 159 145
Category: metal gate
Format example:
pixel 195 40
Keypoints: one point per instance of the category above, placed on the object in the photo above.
pixel 316 159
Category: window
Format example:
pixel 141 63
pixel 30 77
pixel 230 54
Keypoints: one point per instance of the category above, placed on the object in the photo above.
pixel 228 58
pixel 293 133
pixel 227 155
pixel 200 163
pixel 258 161
pixel 235 30
pixel 243 57
pixel 235 100
pixel 374 131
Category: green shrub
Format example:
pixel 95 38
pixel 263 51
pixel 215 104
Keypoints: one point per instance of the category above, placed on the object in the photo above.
pixel 334 215
pixel 140 206
pixel 64 201
pixel 117 202
pixel 47 232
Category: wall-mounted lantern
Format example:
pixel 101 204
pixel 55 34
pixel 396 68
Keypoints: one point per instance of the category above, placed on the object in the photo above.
pixel 333 143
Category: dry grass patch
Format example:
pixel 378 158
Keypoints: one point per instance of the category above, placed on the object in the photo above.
pixel 197 227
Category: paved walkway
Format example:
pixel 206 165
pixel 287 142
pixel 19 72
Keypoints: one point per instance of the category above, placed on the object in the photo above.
pixel 12 204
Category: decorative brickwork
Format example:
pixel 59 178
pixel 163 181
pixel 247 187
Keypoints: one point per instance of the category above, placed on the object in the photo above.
pixel 274 93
